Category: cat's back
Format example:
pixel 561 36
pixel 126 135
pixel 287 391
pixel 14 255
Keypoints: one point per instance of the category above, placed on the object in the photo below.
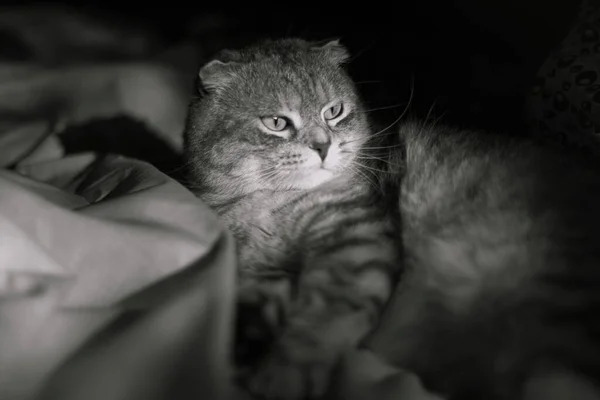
pixel 498 212
pixel 500 235
pixel 466 178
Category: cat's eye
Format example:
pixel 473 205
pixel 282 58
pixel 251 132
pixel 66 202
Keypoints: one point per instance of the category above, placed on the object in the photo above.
pixel 333 112
pixel 275 123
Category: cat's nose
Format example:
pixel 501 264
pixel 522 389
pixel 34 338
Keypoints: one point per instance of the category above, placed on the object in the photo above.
pixel 321 147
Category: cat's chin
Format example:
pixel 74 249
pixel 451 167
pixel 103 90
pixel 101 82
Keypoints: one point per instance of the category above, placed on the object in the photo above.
pixel 312 178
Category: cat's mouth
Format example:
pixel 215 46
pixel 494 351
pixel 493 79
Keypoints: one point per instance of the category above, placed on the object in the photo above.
pixel 328 165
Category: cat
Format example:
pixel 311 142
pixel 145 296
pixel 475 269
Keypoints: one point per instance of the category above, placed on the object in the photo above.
pixel 495 235
pixel 278 144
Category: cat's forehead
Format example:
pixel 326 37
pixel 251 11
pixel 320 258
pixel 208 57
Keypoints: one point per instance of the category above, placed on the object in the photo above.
pixel 274 82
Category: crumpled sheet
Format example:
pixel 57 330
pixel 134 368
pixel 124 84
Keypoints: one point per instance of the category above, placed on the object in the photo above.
pixel 116 282
pixel 104 238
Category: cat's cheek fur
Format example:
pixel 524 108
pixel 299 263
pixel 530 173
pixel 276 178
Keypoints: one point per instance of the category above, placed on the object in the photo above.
pixel 248 167
pixel 334 160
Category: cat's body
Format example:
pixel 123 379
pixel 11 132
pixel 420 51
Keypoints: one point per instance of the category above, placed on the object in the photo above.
pixel 310 228
pixel 502 258
pixel 499 239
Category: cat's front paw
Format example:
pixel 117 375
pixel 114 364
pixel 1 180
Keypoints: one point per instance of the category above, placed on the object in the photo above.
pixel 258 322
pixel 294 371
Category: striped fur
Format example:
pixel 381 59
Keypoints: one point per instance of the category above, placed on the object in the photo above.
pixel 313 237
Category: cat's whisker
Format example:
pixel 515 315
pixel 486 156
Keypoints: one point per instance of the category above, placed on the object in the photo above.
pixel 392 146
pixel 367 169
pixel 390 107
pixel 268 169
pixel 191 186
pixel 438 119
pixel 345 142
pixel 410 99
pixel 370 168
pixel 370 156
pixel 364 176
pixel 383 160
pixel 370 152
pixel 366 82
pixel 268 173
pixel 429 113
pixel 382 133
pixel 267 177
pixel 370 137
pixel 181 167
pixel 364 50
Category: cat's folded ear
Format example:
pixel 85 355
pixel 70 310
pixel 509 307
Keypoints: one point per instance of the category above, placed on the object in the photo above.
pixel 336 52
pixel 216 73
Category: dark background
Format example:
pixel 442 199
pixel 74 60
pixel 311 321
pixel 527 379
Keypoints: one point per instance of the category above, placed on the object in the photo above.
pixel 469 61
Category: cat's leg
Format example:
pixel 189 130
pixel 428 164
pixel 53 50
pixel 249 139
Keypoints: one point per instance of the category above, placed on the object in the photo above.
pixel 260 314
pixel 264 284
pixel 346 281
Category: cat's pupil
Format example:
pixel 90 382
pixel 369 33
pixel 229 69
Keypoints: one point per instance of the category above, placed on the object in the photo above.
pixel 279 123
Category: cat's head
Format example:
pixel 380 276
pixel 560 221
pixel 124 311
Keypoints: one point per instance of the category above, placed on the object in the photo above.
pixel 279 115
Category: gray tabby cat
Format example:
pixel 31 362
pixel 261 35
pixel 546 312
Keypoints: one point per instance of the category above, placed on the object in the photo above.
pixel 500 294
pixel 274 146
